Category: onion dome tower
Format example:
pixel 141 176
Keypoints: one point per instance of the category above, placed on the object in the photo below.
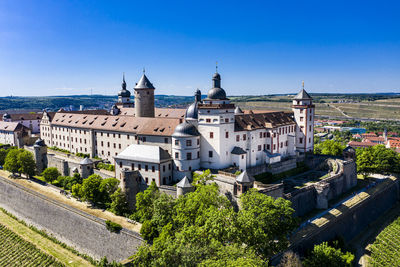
pixel 124 96
pixel 144 97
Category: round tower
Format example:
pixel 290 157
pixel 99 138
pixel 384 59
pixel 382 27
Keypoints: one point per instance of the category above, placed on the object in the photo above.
pixel 144 98
pixel 185 150
pixel 40 153
pixel 183 187
pixel 86 168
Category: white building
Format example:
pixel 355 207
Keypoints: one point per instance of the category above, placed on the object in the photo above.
pixel 211 133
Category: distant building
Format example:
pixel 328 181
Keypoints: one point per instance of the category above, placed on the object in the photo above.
pixel 14 134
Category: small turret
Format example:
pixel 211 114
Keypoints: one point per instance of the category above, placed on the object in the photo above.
pixel 184 186
pixel 86 168
pixel 144 97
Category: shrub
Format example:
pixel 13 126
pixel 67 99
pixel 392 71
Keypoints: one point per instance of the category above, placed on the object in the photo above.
pixel 51 174
pixel 113 227
pixel 105 166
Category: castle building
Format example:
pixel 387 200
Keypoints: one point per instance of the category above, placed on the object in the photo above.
pixel 165 145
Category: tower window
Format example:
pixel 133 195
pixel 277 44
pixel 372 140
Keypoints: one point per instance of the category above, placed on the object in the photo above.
pixel 176 155
pixel 211 135
pixel 188 142
pixel 210 154
pixel 226 134
pixel 226 120
pixel 188 156
pixel 301 140
pixel 176 142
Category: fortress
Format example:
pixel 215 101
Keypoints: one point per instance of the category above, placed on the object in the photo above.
pixel 164 145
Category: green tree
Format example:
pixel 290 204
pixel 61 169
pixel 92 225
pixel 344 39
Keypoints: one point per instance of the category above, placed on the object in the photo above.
pixel 324 255
pixel 107 188
pixel 202 228
pixel 377 159
pixel 11 163
pixel 290 259
pixel 144 203
pixel 265 222
pixel 91 189
pixel 51 174
pixel 329 147
pixel 119 204
pixel 3 155
pixel 27 163
pixel 77 191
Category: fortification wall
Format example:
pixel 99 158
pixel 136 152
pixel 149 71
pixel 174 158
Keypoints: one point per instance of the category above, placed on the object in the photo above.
pixel 86 233
pixel 274 168
pixel 350 218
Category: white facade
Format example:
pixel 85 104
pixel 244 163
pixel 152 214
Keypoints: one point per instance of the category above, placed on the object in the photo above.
pixel 213 135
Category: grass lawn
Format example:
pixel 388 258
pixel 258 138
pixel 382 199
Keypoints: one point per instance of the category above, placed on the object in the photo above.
pixel 63 255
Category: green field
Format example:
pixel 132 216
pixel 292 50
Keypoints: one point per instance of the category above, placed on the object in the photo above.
pixel 327 106
pixel 385 251
pixel 15 251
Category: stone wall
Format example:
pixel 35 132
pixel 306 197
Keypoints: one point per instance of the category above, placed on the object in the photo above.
pixel 86 233
pixel 274 168
pixel 348 220
pixel 342 178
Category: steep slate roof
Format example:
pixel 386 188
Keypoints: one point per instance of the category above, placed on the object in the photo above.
pixel 25 116
pixel 10 126
pixel 302 95
pixel 144 153
pixel 238 151
pixel 244 178
pixel 144 83
pixel 130 124
pixel 184 183
pixel 245 122
pixel 86 161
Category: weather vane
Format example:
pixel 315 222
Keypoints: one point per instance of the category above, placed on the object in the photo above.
pixel 302 84
pixel 216 66
pixel 144 70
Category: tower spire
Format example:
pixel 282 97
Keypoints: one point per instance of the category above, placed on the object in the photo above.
pixel 144 70
pixel 123 81
pixel 302 85
pixel 216 66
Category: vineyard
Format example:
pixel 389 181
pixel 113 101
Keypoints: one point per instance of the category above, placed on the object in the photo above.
pixel 385 251
pixel 15 251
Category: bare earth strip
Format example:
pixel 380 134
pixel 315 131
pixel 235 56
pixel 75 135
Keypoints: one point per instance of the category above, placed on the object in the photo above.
pixel 47 246
pixel 55 194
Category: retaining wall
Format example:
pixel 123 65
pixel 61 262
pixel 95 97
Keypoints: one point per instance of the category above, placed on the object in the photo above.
pixel 86 233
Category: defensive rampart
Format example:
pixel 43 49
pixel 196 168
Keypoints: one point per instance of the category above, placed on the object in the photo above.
pixel 83 231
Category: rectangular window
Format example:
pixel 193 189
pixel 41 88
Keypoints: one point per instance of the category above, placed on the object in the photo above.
pixel 268 134
pixel 281 144
pixel 120 164
pixel 119 146
pixel 301 118
pixel 166 140
pixel 169 166
pixel 211 135
pixel 133 166
pixel 176 155
pixel 261 134
pixel 188 156
pixel 237 138
pixel 144 139
pixel 153 169
pixel 274 146
pixel 259 147
pixel 226 134
pixel 146 167
pixel 198 154
pixel 268 147
pixel 274 135
pixel 208 120
pixel 198 141
pixel 188 142
pixel 140 167
pixel 163 168
pixel 177 142
pixel 310 128
pixel 210 154
pixel 301 140
pixel 244 137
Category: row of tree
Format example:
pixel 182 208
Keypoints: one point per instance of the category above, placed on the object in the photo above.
pixel 100 192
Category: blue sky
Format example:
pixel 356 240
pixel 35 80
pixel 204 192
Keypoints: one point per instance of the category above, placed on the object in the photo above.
pixel 262 47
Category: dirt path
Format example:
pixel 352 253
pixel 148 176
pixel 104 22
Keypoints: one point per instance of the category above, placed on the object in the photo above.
pixel 49 247
pixel 55 194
